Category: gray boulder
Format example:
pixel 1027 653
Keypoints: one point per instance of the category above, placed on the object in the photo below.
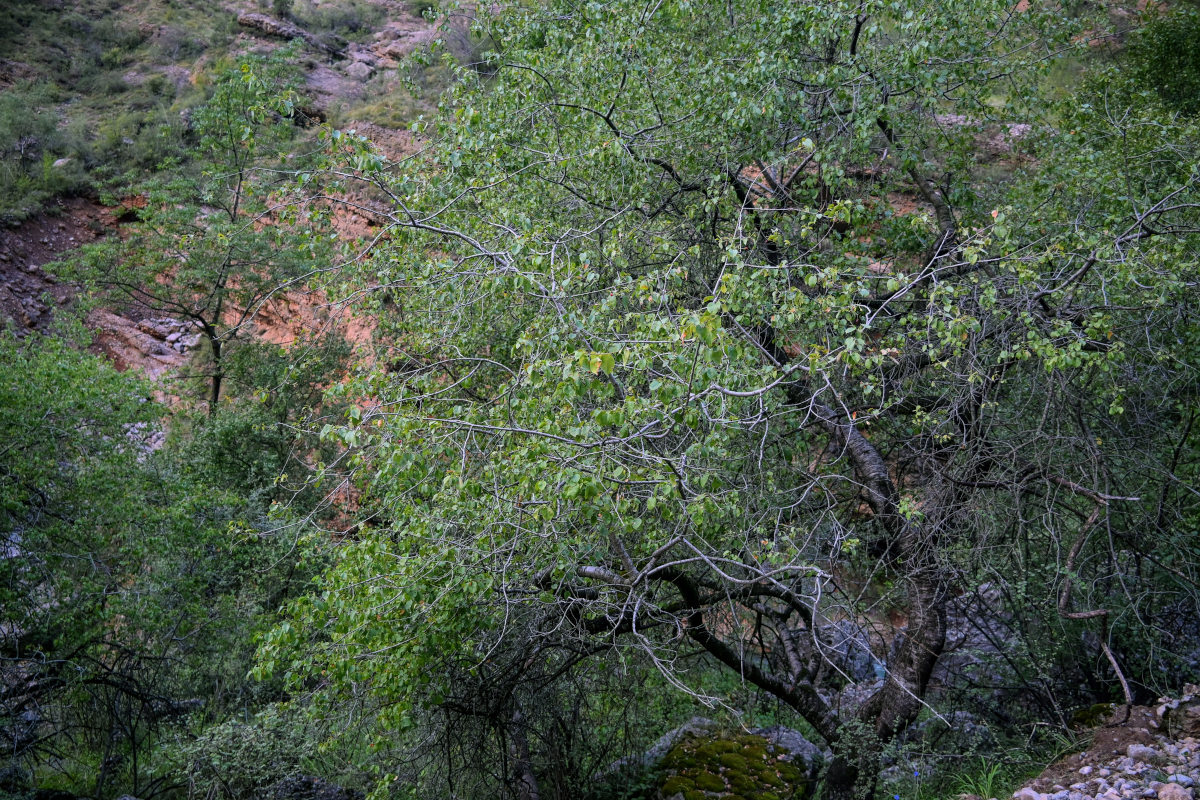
pixel 800 751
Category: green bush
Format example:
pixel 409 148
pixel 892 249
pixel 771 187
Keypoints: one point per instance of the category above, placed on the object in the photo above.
pixel 177 43
pixel 31 143
pixel 345 18
pixel 242 758
pixel 1166 58
pixel 422 8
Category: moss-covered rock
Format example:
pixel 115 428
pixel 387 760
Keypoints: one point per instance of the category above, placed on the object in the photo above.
pixel 712 766
pixel 1092 716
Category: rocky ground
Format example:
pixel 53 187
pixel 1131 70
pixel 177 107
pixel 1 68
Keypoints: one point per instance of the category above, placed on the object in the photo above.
pixel 342 70
pixel 29 296
pixel 27 293
pixel 1151 752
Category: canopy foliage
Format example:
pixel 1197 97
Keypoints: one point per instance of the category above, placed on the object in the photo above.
pixel 675 371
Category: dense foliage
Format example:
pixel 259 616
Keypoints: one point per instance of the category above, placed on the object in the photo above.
pixel 146 548
pixel 676 377
pixel 131 592
pixel 817 365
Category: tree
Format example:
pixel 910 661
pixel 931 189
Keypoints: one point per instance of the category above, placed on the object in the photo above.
pixel 212 249
pixel 75 489
pixel 673 376
pixel 261 445
pixel 129 592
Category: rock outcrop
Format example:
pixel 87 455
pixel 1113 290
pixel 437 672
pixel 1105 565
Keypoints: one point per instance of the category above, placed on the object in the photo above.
pixel 273 26
pixel 1180 716
pixel 714 765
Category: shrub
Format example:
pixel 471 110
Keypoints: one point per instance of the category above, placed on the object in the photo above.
pixel 242 758
pixel 1166 58
pixel 344 18
pixel 30 144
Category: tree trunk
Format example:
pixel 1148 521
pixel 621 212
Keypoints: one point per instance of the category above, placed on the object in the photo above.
pixel 218 372
pixel 527 783
pixel 842 780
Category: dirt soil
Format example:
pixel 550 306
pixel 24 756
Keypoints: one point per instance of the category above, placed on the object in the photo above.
pixel 1109 741
pixel 28 294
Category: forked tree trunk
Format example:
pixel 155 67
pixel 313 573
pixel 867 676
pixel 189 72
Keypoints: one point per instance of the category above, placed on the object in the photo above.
pixel 854 772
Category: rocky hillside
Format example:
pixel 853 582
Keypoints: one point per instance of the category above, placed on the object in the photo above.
pixel 98 94
pixel 354 65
